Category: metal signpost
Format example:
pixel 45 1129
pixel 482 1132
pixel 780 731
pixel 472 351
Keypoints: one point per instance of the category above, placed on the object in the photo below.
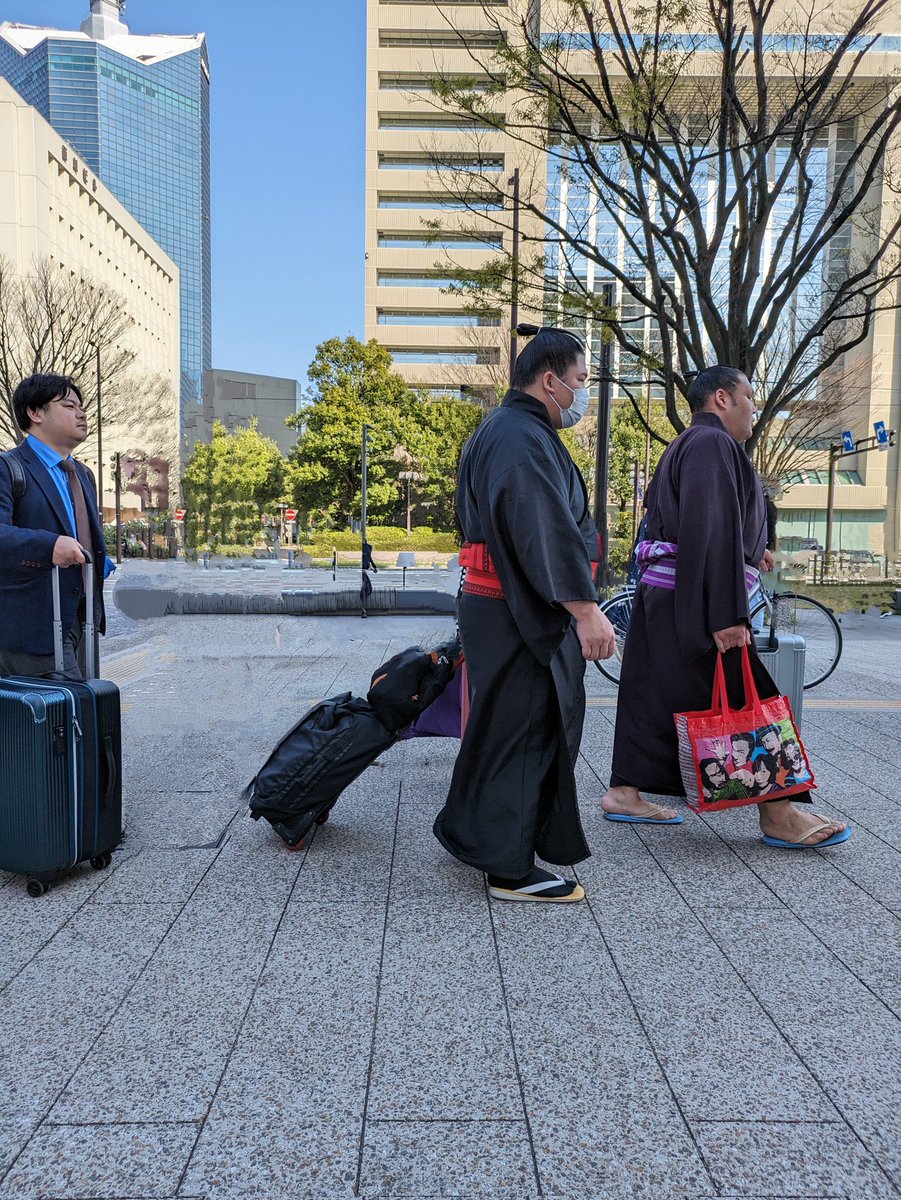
pixel 881 440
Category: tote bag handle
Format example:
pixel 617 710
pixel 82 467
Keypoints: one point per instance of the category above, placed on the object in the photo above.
pixel 720 696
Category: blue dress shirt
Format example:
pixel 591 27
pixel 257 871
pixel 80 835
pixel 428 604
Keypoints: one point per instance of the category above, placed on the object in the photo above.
pixel 51 460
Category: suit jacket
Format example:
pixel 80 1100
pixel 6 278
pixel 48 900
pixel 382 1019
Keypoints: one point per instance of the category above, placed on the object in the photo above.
pixel 29 528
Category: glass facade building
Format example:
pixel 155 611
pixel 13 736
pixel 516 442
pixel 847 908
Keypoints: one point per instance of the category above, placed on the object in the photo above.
pixel 138 110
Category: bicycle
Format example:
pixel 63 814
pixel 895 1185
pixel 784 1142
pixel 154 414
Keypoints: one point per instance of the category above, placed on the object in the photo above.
pixel 770 612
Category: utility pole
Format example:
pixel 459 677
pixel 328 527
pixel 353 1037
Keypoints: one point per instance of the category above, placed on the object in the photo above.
pixel 365 583
pixel 363 512
pixel 514 279
pixel 99 435
pixel 118 478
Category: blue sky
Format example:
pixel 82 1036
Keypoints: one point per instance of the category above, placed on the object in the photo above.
pixel 288 137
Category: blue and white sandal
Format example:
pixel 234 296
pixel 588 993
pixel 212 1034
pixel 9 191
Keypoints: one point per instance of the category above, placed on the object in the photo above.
pixel 835 840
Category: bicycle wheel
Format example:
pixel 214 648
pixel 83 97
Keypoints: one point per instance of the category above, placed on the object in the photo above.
pixel 818 627
pixel 618 611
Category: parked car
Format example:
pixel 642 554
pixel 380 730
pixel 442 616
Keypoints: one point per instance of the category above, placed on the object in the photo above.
pixel 859 556
pixel 810 544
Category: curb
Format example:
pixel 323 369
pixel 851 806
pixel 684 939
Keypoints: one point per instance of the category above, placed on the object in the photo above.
pixel 145 603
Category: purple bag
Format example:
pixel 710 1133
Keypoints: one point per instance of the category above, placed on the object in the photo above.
pixel 445 716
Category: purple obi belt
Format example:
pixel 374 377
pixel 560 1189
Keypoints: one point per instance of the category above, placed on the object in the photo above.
pixel 658 566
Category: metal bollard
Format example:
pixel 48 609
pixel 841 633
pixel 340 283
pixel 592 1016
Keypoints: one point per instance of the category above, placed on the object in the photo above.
pixel 206 559
pixel 290 559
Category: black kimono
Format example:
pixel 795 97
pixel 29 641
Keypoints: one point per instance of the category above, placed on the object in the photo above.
pixel 706 497
pixel 513 790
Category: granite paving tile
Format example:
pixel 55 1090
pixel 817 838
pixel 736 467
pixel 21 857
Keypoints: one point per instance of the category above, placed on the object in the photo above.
pixel 74 1162
pixel 14 1136
pixel 332 949
pixel 717 1044
pixel 350 856
pixel 304 1048
pixel 163 1054
pixel 254 1157
pixel 405 1159
pixel 27 926
pixel 840 1029
pixel 251 867
pixel 154 877
pixel 298 1072
pixel 451 1060
pixel 75 985
pixel 623 1155
pixel 801 1158
pixel 176 817
pixel 442 1046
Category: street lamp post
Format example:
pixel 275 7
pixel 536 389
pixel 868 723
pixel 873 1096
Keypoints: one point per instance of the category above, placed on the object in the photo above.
pixel 514 277
pixel 99 434
pixel 365 584
pixel 118 478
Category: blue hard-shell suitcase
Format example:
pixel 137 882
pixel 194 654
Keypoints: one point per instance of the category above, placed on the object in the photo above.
pixel 60 767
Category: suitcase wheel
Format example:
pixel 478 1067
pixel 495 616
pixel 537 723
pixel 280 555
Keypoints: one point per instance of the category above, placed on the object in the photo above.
pixel 323 817
pixel 100 861
pixel 36 887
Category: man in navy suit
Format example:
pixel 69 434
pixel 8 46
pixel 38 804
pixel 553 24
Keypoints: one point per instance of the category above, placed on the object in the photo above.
pixel 49 525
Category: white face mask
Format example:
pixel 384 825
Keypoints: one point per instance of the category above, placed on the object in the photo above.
pixel 579 407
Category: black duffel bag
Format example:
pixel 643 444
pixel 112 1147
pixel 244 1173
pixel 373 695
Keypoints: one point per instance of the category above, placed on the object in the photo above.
pixel 337 740
pixel 314 762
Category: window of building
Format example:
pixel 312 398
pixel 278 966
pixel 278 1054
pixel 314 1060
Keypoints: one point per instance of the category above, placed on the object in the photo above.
pixel 442 241
pixel 404 279
pixel 463 358
pixel 454 39
pixel 492 202
pixel 435 122
pixel 454 162
pixel 406 316
pixel 440 393
pixel 425 83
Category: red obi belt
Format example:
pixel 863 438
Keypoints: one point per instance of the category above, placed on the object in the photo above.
pixel 482 578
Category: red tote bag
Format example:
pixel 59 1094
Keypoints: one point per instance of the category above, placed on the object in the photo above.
pixel 731 757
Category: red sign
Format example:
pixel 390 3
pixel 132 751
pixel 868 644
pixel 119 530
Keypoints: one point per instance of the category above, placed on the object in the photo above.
pixel 180 514
pixel 290 514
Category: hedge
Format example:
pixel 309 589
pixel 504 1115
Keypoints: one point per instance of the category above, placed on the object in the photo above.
pixel 389 538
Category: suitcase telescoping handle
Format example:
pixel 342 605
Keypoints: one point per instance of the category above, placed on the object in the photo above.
pixel 89 659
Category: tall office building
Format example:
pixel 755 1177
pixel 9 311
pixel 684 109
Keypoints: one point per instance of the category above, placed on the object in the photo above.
pixel 138 111
pixel 437 345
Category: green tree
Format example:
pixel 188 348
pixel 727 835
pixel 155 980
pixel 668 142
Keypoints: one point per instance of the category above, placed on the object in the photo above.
pixel 230 483
pixel 628 446
pixel 353 385
pixel 432 437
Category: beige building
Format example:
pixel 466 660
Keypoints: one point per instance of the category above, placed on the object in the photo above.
pixel 53 208
pixel 436 345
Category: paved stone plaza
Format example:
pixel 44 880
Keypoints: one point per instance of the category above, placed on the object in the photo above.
pixel 216 1017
